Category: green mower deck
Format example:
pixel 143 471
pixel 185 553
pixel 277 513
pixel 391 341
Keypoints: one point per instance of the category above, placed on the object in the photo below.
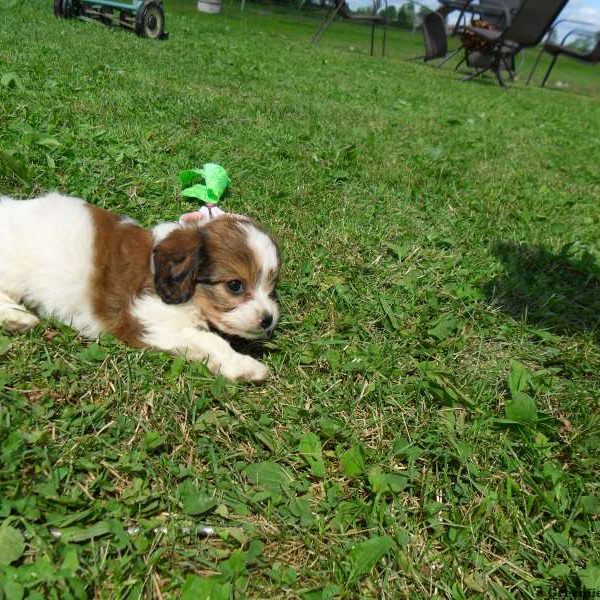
pixel 145 17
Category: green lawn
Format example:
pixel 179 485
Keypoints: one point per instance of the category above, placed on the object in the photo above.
pixel 432 425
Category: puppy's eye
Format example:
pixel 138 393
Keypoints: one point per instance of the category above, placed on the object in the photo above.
pixel 235 286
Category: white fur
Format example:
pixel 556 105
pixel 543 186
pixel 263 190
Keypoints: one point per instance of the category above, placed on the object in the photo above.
pixel 15 317
pixel 46 253
pixel 46 262
pixel 161 231
pixel 125 220
pixel 262 304
pixel 263 247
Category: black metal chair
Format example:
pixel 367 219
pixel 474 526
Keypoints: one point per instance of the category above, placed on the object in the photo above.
pixel 590 56
pixel 435 37
pixel 529 25
pixel 340 7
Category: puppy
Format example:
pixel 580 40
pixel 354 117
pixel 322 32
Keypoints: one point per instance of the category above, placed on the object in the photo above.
pixel 174 287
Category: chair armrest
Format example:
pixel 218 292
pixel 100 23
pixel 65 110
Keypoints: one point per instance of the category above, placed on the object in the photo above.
pixel 574 21
pixel 560 21
pixel 580 33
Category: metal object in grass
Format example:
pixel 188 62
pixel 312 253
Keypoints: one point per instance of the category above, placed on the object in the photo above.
pixel 145 17
pixel 201 531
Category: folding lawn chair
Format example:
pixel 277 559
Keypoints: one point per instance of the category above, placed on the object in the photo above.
pixel 497 48
pixel 496 12
pixel 591 55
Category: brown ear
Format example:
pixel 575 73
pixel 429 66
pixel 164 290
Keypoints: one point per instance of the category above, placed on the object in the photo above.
pixel 179 260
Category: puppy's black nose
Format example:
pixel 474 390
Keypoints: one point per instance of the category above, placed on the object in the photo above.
pixel 267 321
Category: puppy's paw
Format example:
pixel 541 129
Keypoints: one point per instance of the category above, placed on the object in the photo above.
pixel 244 368
pixel 17 320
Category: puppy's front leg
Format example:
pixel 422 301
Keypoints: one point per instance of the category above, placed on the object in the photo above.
pixel 173 328
pixel 220 356
pixel 15 317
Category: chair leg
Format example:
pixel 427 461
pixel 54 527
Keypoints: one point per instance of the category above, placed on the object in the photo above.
pixel 554 59
pixel 442 62
pixel 384 39
pixel 476 74
pixel 462 60
pixel 499 77
pixel 535 64
pixel 327 21
pixel 372 36
pixel 508 69
pixel 448 57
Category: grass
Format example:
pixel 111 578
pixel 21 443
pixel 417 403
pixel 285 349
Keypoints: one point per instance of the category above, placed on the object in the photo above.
pixel 432 424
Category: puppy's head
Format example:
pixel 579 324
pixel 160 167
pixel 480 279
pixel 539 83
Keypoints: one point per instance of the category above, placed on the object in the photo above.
pixel 228 268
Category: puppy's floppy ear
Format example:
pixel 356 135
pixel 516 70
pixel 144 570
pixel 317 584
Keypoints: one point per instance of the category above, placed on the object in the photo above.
pixel 179 261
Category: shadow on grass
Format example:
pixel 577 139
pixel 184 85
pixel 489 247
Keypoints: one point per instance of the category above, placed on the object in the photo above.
pixel 557 291
pixel 255 348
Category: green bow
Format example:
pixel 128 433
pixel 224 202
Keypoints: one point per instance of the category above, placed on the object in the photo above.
pixel 215 178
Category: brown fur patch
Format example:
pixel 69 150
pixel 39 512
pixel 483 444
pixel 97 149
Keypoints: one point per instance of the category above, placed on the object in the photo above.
pixel 122 271
pixel 180 260
pixel 230 258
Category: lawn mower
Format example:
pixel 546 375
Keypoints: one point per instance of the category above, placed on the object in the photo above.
pixel 145 17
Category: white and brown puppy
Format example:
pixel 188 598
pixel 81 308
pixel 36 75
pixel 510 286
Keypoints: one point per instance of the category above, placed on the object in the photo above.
pixel 169 288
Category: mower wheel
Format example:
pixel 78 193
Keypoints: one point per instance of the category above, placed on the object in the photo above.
pixel 150 20
pixel 66 9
